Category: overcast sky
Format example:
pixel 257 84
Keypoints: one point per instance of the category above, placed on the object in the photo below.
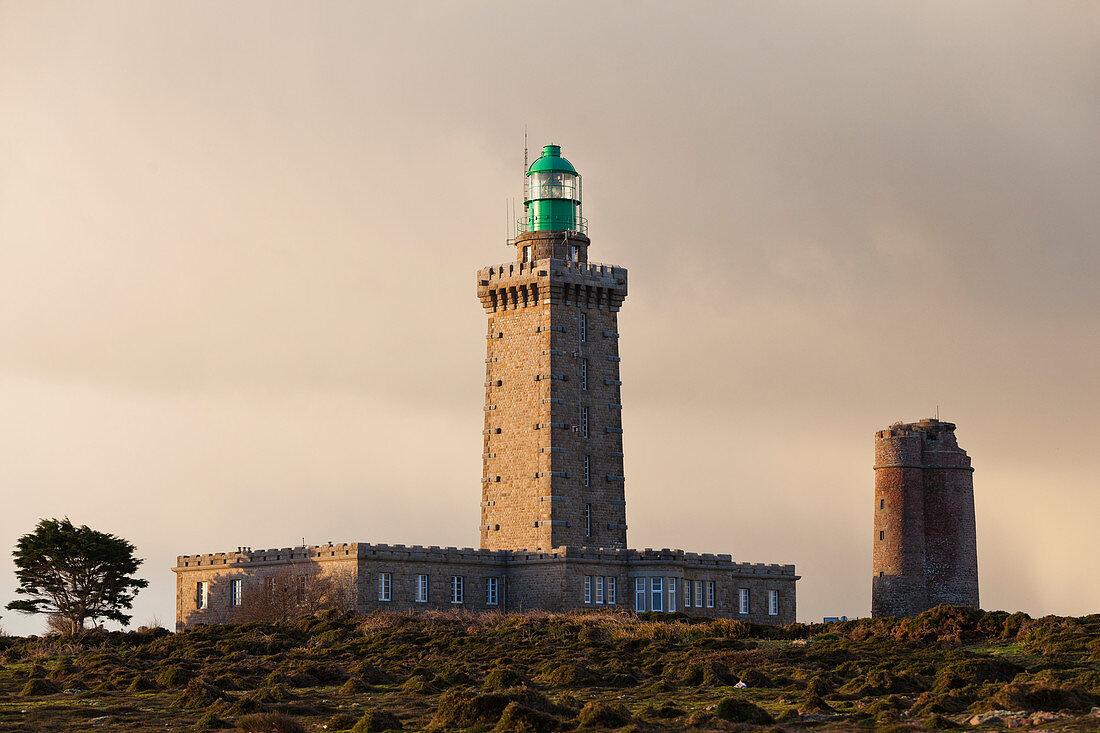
pixel 238 244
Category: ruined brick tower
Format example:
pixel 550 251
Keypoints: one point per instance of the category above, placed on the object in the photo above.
pixel 925 548
pixel 553 454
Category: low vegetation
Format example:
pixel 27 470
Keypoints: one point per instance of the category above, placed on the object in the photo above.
pixel 948 668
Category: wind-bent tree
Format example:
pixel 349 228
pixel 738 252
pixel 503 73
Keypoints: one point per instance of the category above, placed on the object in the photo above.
pixel 75 573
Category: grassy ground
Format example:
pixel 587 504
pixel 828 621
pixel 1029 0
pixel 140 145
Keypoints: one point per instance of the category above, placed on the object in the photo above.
pixel 561 672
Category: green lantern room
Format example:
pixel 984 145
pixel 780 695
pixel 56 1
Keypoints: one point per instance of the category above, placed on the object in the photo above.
pixel 552 204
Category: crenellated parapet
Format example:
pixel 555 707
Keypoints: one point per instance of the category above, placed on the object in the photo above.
pixel 514 285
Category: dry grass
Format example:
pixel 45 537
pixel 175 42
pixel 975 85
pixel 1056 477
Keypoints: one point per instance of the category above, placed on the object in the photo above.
pixel 543 671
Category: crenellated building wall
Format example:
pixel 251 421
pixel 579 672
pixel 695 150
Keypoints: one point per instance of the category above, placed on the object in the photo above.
pixel 563 579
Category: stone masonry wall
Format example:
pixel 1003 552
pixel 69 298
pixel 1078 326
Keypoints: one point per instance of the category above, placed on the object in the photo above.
pixel 552 456
pixel 925 549
pixel 553 581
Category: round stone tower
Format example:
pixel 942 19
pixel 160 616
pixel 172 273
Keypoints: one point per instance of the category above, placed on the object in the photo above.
pixel 925 547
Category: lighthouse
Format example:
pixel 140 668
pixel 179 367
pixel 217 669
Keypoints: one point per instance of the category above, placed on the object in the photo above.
pixel 553 448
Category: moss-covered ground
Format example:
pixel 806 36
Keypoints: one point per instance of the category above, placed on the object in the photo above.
pixel 562 672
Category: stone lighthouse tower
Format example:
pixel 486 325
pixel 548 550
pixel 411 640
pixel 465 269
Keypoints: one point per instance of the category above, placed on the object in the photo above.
pixel 925 548
pixel 553 453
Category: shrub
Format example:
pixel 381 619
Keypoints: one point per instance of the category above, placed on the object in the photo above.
pixel 518 718
pixel 755 678
pixel 570 674
pixel 38 686
pixel 244 706
pixel 1041 697
pixel 210 721
pixel 462 707
pixel 600 715
pixel 354 686
pixel 200 692
pixel 377 720
pixel 502 679
pixel 141 683
pixel 813 704
pixel 173 676
pixel 418 685
pixel 736 710
pixel 269 723
pixel 340 721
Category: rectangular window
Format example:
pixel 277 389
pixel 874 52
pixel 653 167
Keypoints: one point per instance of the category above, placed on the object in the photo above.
pixel 235 592
pixel 710 594
pixel 639 594
pixel 743 600
pixel 527 253
pixel 588 520
pixel 599 590
pixel 773 603
pixel 584 421
pixel 687 594
pixel 882 535
pixel 610 591
pixel 384 586
pixel 588 589
pixel 881 503
pixel 584 326
pixel 698 594
pixel 584 373
pixel 269 588
pixel 422 589
pixel 671 595
pixel 491 592
pixel 657 592
pixel 588 470
pixel 202 594
pixel 456 589
pixel 574 250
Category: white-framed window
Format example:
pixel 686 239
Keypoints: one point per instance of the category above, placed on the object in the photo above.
pixel 584 326
pixel 672 590
pixel 599 590
pixel 610 591
pixel 385 586
pixel 698 594
pixel 269 587
pixel 687 594
pixel 202 594
pixel 574 252
pixel 584 421
pixel 235 592
pixel 639 594
pixel 421 588
pixel 588 520
pixel 491 592
pixel 456 589
pixel 588 470
pixel 743 600
pixel 584 373
pixel 526 253
pixel 710 594
pixel 773 603
pixel 657 593
pixel 588 589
